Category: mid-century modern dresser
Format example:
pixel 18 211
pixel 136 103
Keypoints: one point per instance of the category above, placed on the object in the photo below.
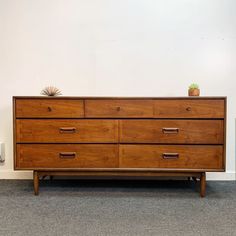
pixel 95 136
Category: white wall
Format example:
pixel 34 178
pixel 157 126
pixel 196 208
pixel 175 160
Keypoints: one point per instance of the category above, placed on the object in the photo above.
pixel 116 48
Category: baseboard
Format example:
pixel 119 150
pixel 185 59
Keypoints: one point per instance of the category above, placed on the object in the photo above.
pixel 11 174
pixel 221 176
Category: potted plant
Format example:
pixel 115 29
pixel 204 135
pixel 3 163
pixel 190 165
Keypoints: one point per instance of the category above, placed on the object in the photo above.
pixel 193 90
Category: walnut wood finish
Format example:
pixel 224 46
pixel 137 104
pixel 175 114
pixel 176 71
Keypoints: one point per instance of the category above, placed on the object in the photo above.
pixel 171 156
pixel 189 108
pixel 133 137
pixel 49 108
pixel 66 131
pixel 36 182
pixel 116 173
pixel 118 108
pixel 203 184
pixel 172 131
pixel 39 156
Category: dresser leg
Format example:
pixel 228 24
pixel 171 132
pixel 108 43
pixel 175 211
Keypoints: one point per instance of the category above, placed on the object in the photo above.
pixel 36 183
pixel 203 184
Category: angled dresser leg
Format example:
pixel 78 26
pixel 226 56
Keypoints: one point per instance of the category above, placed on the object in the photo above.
pixel 203 184
pixel 36 183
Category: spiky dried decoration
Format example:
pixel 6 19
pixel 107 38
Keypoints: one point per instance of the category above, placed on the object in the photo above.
pixel 51 91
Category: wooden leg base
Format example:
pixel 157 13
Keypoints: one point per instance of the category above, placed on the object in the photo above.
pixel 36 183
pixel 203 184
pixel 194 175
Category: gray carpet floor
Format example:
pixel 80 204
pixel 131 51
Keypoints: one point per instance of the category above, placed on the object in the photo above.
pixel 86 207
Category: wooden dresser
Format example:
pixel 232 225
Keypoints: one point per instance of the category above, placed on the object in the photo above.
pixel 91 136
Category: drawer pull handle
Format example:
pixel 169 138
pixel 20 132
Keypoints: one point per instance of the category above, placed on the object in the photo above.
pixel 118 108
pixel 170 155
pixel 49 109
pixel 170 130
pixel 67 155
pixel 69 130
pixel 188 109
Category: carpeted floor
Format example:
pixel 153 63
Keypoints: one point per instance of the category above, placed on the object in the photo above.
pixel 86 207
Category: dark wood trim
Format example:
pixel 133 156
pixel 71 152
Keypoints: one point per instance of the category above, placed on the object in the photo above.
pixel 114 118
pixel 122 98
pixel 117 173
pixel 124 143
pixel 14 132
pixel 124 170
pixel 225 131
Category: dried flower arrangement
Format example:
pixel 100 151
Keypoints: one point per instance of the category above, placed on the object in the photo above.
pixel 51 91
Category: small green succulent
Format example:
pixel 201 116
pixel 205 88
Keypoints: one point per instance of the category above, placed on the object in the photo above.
pixel 193 86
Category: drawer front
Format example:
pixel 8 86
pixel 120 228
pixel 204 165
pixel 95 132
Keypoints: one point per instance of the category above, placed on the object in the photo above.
pixel 171 156
pixel 189 108
pixel 119 108
pixel 34 156
pixel 172 131
pixel 49 108
pixel 66 131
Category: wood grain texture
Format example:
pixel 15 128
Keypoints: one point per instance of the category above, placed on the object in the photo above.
pixel 49 108
pixel 118 108
pixel 51 131
pixel 188 131
pixel 120 136
pixel 187 108
pixel 34 156
pixel 151 156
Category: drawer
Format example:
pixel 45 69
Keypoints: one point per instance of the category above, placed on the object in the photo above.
pixel 34 156
pixel 172 156
pixel 172 131
pixel 49 108
pixel 119 108
pixel 66 131
pixel 189 108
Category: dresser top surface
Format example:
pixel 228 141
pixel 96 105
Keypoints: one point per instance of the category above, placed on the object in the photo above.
pixel 103 97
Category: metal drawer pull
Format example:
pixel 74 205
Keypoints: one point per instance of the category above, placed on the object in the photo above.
pixel 170 155
pixel 170 130
pixel 67 130
pixel 67 155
